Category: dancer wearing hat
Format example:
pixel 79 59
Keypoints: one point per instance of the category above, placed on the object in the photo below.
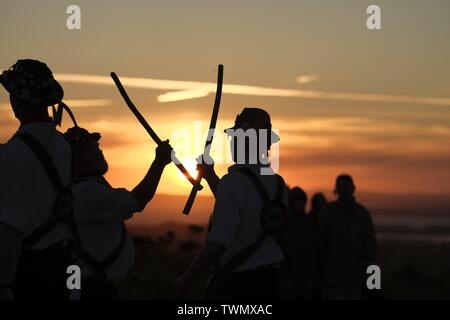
pixel 245 256
pixel 107 252
pixel 35 165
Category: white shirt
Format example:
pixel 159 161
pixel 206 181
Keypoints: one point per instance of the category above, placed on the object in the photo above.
pixel 27 197
pixel 236 220
pixel 99 212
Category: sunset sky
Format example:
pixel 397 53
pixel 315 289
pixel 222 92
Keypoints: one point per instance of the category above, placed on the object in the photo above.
pixel 375 104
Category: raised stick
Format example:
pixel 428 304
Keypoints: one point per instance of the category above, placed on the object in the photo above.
pixel 209 138
pixel 151 132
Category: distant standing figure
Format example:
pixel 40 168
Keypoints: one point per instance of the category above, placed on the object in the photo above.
pixel 300 250
pixel 348 243
pixel 318 203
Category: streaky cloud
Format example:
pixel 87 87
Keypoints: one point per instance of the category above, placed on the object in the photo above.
pixel 182 95
pixel 87 103
pixel 307 78
pixel 74 103
pixel 237 89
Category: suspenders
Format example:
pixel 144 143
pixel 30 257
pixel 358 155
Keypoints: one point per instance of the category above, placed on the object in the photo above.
pixel 63 210
pixel 248 251
pixel 100 267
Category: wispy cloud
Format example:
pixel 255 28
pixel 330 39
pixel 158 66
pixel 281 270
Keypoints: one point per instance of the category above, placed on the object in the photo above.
pixel 192 89
pixel 74 103
pixel 183 95
pixel 86 103
pixel 307 78
pixel 365 133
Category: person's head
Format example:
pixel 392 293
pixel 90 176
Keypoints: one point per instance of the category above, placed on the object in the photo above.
pixel 318 202
pixel 251 136
pixel 88 158
pixel 32 90
pixel 297 200
pixel 345 188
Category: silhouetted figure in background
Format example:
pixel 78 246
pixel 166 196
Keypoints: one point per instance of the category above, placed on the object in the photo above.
pixel 107 252
pixel 348 243
pixel 300 249
pixel 318 203
pixel 33 163
pixel 236 225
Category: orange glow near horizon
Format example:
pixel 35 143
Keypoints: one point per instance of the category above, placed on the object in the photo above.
pixel 313 151
pixel 374 104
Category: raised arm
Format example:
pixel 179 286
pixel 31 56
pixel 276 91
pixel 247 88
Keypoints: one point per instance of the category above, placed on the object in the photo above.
pixel 208 173
pixel 146 189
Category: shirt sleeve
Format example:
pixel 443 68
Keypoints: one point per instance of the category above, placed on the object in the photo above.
pixel 226 216
pixel 13 199
pixel 95 202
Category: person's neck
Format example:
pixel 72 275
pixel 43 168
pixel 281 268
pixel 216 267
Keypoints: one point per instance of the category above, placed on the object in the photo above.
pixel 44 118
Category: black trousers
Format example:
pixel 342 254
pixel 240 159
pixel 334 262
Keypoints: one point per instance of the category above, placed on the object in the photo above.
pixel 257 284
pixel 41 274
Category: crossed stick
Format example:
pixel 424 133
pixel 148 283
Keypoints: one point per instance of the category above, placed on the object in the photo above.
pixel 195 185
pixel 209 138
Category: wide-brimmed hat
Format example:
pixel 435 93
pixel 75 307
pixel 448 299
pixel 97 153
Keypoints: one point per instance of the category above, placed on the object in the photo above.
pixel 257 119
pixel 32 81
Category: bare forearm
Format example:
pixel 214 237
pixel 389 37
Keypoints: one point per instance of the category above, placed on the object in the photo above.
pixel 146 189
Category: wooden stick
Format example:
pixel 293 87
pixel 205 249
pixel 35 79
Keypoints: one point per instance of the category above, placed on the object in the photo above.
pixel 209 138
pixel 196 185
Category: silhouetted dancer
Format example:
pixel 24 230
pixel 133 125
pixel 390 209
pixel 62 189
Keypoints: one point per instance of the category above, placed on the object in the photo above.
pixel 348 243
pixel 246 257
pixel 35 169
pixel 107 252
